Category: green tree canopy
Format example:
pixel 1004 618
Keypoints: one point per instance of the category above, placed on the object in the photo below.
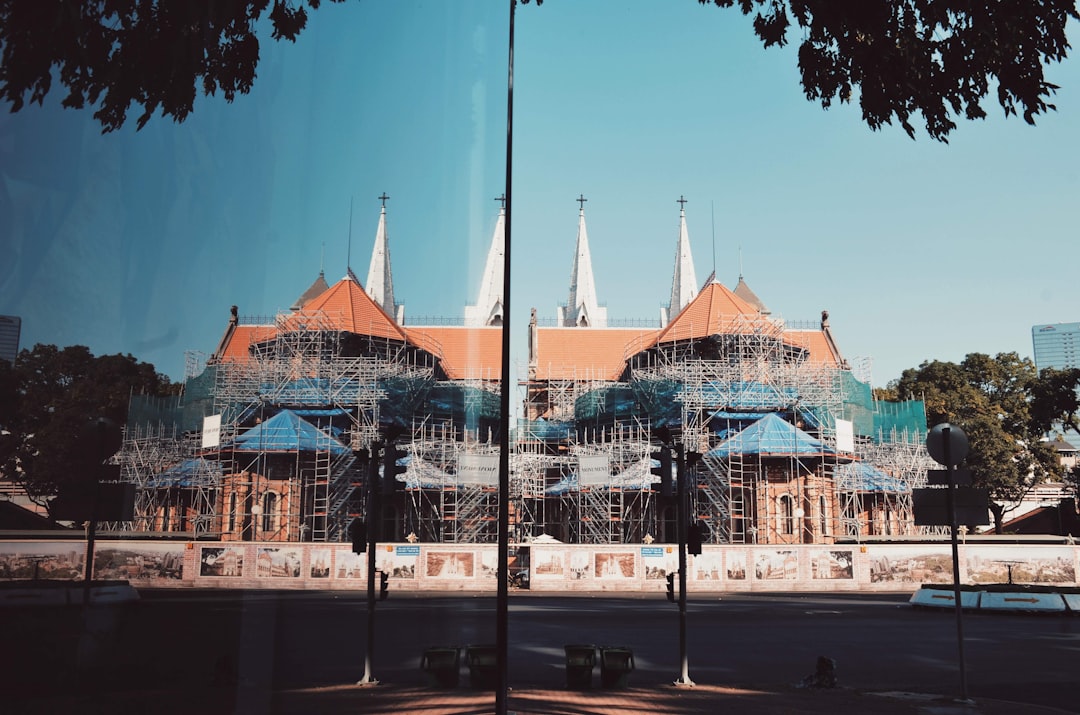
pixel 991 399
pixel 61 412
pixel 155 54
pixel 937 58
pixel 901 58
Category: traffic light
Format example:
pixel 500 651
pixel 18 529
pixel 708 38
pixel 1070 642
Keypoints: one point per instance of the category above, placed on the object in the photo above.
pixel 384 585
pixel 391 468
pixel 663 456
pixel 695 534
pixel 358 533
pixel 671 587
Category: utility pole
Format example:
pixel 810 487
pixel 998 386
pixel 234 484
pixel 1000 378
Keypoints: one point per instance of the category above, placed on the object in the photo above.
pixel 371 515
pixel 681 526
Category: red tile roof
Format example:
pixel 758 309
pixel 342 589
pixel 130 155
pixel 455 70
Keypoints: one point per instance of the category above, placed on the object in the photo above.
pixel 714 311
pixel 464 352
pixel 587 353
pixel 241 338
pixel 346 306
pixel 816 342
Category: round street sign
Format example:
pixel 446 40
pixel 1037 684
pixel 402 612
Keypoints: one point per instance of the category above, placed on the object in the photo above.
pixel 957 444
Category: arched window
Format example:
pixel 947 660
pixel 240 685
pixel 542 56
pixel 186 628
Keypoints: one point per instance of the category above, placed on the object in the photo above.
pixel 232 512
pixel 823 508
pixel 786 516
pixel 269 512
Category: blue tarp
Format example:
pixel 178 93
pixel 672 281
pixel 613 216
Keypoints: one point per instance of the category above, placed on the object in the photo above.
pixel 185 474
pixel 863 477
pixel 771 436
pixel 287 432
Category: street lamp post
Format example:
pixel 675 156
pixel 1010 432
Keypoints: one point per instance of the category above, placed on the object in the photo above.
pixel 681 526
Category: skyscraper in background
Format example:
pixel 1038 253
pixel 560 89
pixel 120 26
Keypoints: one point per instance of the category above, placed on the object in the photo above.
pixel 10 326
pixel 1055 345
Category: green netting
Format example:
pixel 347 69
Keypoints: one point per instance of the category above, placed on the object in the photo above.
pixel 609 403
pixel 447 400
pixel 906 418
pixel 184 412
pixel 544 431
pixel 858 404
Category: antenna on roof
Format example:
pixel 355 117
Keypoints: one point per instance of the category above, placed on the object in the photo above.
pixel 348 248
pixel 712 217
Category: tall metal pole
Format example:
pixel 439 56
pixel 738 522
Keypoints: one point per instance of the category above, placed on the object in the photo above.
pixel 503 570
pixel 951 504
pixel 371 519
pixel 680 526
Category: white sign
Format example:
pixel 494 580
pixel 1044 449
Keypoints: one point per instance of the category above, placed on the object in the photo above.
pixel 478 469
pixel 211 431
pixel 845 436
pixel 593 469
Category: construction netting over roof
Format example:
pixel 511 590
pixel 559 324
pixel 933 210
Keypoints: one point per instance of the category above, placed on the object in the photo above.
pixel 661 400
pixel 188 473
pixel 771 436
pixel 286 432
pixel 863 477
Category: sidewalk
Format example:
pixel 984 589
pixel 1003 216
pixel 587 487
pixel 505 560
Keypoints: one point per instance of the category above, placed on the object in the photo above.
pixel 698 700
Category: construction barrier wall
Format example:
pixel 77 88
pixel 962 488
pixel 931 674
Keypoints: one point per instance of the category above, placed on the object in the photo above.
pixel 556 568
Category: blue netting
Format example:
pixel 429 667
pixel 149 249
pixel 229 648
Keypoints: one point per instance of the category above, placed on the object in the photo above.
pixel 771 436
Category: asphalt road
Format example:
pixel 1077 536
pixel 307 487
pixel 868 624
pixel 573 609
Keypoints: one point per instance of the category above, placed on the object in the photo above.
pixel 186 640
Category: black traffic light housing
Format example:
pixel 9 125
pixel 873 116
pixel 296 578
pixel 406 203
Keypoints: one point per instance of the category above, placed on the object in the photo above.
pixel 671 587
pixel 696 533
pixel 663 456
pixel 384 585
pixel 358 533
pixel 390 456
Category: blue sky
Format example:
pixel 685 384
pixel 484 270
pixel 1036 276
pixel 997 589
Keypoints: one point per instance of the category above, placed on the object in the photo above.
pixel 139 241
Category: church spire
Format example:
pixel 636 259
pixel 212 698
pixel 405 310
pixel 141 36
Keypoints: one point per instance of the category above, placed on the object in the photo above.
pixel 489 303
pixel 582 309
pixel 380 281
pixel 684 280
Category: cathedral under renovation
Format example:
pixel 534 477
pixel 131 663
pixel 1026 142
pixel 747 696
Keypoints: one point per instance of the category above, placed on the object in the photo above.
pixel 266 441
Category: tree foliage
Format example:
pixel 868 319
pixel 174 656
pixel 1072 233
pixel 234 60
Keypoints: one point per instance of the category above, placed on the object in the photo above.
pixel 151 53
pixel 937 58
pixel 993 399
pixel 61 410
pixel 903 58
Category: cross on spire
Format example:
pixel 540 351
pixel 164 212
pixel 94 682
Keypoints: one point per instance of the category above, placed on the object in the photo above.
pixel 501 200
pixel 682 203
pixel 383 198
pixel 581 200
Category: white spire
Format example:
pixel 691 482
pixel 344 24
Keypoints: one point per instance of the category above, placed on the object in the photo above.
pixel 489 303
pixel 684 281
pixel 582 308
pixel 380 281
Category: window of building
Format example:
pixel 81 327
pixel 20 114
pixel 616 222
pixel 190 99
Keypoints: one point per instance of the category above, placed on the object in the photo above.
pixel 269 512
pixel 787 515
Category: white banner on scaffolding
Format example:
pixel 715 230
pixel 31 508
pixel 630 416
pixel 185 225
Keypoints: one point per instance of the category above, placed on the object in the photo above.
pixel 211 431
pixel 593 469
pixel 478 469
pixel 845 436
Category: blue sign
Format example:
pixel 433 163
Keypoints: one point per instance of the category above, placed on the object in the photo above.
pixel 652 551
pixel 407 550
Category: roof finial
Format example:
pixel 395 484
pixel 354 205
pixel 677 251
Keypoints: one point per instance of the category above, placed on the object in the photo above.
pixel 682 203
pixel 501 200
pixel 581 200
pixel 740 261
pixel 383 198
